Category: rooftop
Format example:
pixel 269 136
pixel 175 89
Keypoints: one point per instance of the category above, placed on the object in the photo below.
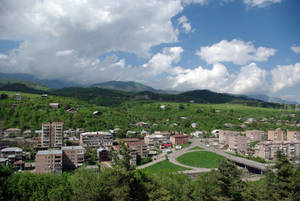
pixel 49 152
pixel 71 147
pixel 10 149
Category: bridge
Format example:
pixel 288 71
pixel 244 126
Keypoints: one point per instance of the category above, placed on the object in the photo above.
pixel 252 166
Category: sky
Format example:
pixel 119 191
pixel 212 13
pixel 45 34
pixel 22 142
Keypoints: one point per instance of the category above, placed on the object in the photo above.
pixel 228 46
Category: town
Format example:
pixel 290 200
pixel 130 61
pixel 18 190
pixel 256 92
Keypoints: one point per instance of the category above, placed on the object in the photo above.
pixel 50 154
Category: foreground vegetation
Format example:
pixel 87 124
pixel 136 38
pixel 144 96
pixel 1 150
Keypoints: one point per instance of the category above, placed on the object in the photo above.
pixel 124 183
pixel 201 159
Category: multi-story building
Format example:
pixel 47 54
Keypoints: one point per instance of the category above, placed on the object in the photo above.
pixel 156 139
pixel 49 161
pixel 52 134
pixel 268 149
pixel 276 135
pixel 102 154
pixel 14 131
pixel 179 139
pixel 73 156
pixel 223 135
pixel 12 153
pixel 136 146
pixel 255 135
pixel 96 139
pixel 293 135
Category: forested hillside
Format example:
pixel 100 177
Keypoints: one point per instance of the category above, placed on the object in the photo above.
pixel 32 110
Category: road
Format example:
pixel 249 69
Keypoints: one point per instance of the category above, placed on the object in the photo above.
pixel 194 170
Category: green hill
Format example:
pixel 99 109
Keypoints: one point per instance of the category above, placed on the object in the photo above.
pixel 7 81
pixel 125 86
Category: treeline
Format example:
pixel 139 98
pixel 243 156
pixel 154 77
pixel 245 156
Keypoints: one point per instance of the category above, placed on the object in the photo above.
pixel 32 110
pixel 124 183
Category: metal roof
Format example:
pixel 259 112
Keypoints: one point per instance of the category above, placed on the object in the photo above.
pixel 10 149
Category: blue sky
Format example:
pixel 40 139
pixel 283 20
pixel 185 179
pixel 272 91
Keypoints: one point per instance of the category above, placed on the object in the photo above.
pixel 232 46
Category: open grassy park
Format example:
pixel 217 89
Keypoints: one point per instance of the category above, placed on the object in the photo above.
pixel 165 166
pixel 201 159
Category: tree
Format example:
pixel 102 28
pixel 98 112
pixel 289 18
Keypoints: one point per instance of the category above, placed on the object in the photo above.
pixel 5 172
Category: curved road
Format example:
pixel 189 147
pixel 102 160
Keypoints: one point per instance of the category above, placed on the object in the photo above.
pixel 196 143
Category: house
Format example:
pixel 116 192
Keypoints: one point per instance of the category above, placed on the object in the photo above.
pixel 194 125
pixel 44 95
pixel 102 154
pixel 197 133
pixel 142 124
pixel 54 105
pixel 166 146
pixel 14 131
pixel 4 96
pixel 17 97
pixel 97 113
pixel 72 110
pixel 12 153
pixel 179 139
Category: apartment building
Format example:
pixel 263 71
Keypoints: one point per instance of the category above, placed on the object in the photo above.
pixel 96 139
pixel 156 139
pixel 73 156
pixel 223 136
pixel 179 139
pixel 276 135
pixel 12 153
pixel 268 149
pixel 255 135
pixel 52 134
pixel 136 146
pixel 49 161
pixel 293 135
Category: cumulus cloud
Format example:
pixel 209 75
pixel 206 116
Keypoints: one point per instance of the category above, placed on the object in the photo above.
pixel 199 78
pixel 183 22
pixel 64 52
pixel 295 49
pixel 235 51
pixel 260 3
pixel 3 56
pixel 91 27
pixel 285 76
pixel 194 1
pixel 250 80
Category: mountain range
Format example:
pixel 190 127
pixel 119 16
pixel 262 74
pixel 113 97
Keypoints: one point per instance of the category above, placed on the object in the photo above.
pixel 130 87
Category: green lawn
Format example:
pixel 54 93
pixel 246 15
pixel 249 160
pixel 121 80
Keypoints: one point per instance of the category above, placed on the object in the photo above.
pixel 201 159
pixel 196 148
pixel 185 145
pixel 165 166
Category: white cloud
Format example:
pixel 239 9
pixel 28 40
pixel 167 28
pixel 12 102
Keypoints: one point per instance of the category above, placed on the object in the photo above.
pixel 183 22
pixel 295 49
pixel 199 78
pixel 64 52
pixel 3 56
pixel 194 1
pixel 91 27
pixel 285 76
pixel 250 80
pixel 235 51
pixel 260 3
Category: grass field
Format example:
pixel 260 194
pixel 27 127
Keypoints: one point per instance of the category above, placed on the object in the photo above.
pixel 196 148
pixel 165 166
pixel 185 145
pixel 201 159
